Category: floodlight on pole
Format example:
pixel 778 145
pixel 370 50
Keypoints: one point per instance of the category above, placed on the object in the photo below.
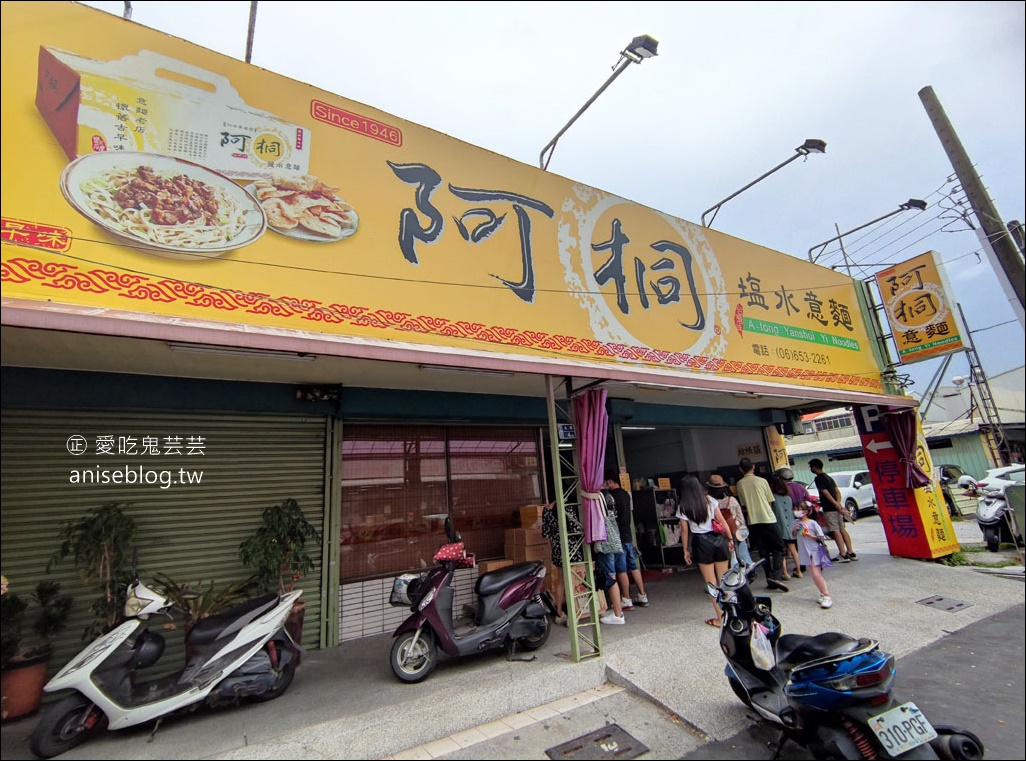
pixel 811 145
pixel 912 203
pixel 640 48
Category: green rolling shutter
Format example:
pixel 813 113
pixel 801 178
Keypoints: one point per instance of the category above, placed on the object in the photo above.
pixel 189 531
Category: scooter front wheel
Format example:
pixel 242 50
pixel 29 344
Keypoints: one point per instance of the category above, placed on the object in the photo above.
pixel 992 538
pixel 67 724
pixel 414 662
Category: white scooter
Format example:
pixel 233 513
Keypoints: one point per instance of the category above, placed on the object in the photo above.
pixel 997 520
pixel 242 653
pixel 994 515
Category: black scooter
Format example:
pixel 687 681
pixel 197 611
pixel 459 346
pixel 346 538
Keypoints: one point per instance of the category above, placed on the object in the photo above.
pixel 830 693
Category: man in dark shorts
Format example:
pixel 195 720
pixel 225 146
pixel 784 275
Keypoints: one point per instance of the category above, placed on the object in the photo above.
pixel 622 500
pixel 834 512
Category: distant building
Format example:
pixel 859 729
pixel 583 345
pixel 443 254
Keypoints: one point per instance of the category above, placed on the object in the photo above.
pixel 954 426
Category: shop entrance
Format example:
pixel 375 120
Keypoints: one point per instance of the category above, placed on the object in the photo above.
pixel 657 457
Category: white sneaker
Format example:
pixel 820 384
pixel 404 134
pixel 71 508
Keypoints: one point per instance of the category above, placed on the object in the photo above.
pixel 609 617
pixel 825 601
pixel 627 604
pixel 643 601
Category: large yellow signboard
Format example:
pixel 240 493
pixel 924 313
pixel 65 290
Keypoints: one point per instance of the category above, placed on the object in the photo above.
pixel 143 173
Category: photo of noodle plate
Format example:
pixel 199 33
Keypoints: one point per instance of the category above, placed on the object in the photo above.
pixel 163 204
pixel 305 207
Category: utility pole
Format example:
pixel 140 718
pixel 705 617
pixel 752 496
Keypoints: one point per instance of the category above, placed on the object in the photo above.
pixel 1000 239
pixel 1015 228
pixel 251 31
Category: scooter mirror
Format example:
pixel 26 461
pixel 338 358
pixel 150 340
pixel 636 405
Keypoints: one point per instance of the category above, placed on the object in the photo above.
pixel 711 589
pixel 450 531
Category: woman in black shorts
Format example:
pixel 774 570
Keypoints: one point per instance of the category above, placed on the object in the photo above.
pixel 710 551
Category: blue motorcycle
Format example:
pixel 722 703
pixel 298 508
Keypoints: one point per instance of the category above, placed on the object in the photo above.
pixel 829 692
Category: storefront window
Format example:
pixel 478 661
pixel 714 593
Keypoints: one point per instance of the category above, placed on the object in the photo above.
pixel 400 482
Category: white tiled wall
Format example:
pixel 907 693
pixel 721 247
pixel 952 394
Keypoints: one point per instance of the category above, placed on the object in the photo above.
pixel 366 612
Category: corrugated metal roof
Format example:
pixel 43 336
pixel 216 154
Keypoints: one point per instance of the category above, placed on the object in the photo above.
pixel 932 431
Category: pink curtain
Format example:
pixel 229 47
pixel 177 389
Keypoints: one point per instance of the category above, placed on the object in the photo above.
pixel 901 430
pixel 591 421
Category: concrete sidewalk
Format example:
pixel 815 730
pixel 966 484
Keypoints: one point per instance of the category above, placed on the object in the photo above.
pixel 345 702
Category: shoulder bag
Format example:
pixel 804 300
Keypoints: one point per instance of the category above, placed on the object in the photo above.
pixel 728 517
pixel 611 545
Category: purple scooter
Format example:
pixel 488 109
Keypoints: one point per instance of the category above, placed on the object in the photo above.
pixel 512 609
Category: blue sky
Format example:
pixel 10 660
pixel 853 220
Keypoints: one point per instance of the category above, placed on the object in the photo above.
pixel 736 87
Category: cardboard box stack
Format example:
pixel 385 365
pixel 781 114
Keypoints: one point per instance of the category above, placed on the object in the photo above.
pixel 531 515
pixel 524 544
pixel 491 565
pixel 527 543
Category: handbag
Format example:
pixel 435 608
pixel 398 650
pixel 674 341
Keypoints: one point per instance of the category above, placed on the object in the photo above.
pixel 728 517
pixel 611 545
pixel 719 528
pixel 824 556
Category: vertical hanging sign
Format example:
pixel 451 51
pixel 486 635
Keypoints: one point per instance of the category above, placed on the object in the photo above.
pixel 916 521
pixel 777 448
pixel 920 309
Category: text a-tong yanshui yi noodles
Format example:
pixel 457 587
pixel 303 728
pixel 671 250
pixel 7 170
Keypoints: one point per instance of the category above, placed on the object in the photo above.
pixel 165 208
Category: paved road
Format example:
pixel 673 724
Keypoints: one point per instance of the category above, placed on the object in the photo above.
pixel 972 677
pixel 982 691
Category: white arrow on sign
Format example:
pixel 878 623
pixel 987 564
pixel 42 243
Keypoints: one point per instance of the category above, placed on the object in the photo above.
pixel 875 446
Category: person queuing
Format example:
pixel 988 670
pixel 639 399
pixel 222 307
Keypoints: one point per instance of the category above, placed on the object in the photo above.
pixel 783 508
pixel 710 550
pixel 730 507
pixel 632 572
pixel 550 529
pixel 610 561
pixel 755 496
pixel 834 512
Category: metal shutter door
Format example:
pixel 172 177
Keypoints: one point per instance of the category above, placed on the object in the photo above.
pixel 189 532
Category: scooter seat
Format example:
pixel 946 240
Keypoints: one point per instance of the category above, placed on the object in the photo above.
pixel 793 650
pixel 210 628
pixel 494 581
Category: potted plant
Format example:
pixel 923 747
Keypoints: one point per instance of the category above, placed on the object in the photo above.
pixel 25 661
pixel 277 554
pixel 100 544
pixel 197 600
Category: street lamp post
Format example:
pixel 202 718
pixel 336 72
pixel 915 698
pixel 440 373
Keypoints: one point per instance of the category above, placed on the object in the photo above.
pixel 811 145
pixel 912 203
pixel 640 48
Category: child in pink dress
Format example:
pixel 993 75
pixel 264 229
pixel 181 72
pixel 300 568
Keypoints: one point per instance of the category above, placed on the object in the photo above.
pixel 812 551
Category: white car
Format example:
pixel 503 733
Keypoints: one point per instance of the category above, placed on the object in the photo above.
pixel 856 491
pixel 996 479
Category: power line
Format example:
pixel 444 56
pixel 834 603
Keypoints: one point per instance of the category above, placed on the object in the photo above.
pixel 385 278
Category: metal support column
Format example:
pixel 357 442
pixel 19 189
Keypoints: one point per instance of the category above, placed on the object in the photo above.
pixel 578 578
